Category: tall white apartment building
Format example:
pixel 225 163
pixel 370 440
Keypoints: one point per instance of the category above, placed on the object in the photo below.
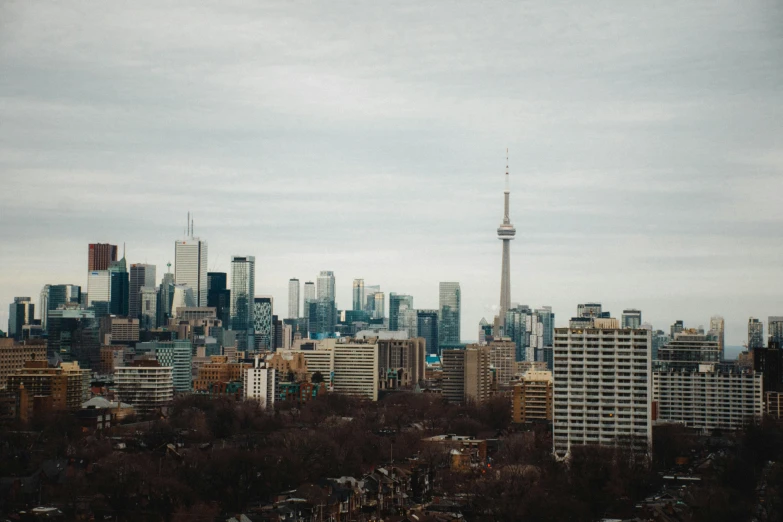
pixel 293 298
pixel 602 388
pixel 147 388
pixel 709 398
pixel 260 384
pixel 356 369
pixel 190 267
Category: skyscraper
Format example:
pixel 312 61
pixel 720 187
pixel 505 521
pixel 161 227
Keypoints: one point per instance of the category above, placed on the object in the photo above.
pixel 775 329
pixel 119 283
pixel 141 275
pixel 21 312
pixel 755 334
pixel 396 301
pixel 166 298
pixel 100 255
pixel 358 294
pixel 309 296
pixel 449 305
pixel 190 266
pixel 427 327
pixel 717 327
pixel 262 322
pixel 148 302
pixel 369 301
pixel 378 304
pixel 243 288
pixel 506 233
pixel 219 296
pixel 631 319
pixel 52 296
pixel 326 309
pixel 98 287
pixel 293 298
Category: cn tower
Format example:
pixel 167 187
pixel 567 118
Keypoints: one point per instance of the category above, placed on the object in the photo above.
pixel 506 233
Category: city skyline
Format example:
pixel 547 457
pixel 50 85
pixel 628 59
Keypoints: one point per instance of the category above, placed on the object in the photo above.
pixel 647 182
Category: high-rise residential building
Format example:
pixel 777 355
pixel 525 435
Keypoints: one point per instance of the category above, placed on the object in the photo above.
pixel 190 266
pixel 369 300
pixel 260 384
pixel 531 331
pixel 401 363
pixel 262 323
pixel 692 387
pixel 100 255
pixel 326 309
pixel 532 399
pixel 602 389
pixel 145 385
pixel 148 303
pixel 427 328
pixel 593 310
pixel 467 375
pixel 175 354
pixel 20 313
pixel 547 319
pixel 243 288
pixel 308 296
pixel 119 283
pixel 502 359
pixel 407 321
pixel 755 334
pixel 64 388
pixel 219 296
pixel 43 305
pixel 293 298
pixel 395 302
pixel 141 275
pixel 376 304
pixel 450 303
pixel 358 294
pixel 14 355
pixel 506 233
pixel 659 340
pixel 687 350
pixel 632 319
pixel 775 329
pixel 717 328
pixel 356 369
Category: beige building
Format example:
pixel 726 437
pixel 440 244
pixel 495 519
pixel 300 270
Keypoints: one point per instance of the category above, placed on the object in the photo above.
pixel 288 361
pixel 62 388
pixel 356 369
pixel 502 357
pixel 14 355
pixel 532 398
pixel 121 330
pixel 467 376
pixel 219 370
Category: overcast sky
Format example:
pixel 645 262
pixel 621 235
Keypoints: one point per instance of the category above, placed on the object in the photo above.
pixel 369 138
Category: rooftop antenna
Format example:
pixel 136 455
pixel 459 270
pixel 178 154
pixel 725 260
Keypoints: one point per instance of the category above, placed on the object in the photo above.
pixel 507 188
pixel 123 249
pixel 168 267
pixel 191 228
pixel 187 225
